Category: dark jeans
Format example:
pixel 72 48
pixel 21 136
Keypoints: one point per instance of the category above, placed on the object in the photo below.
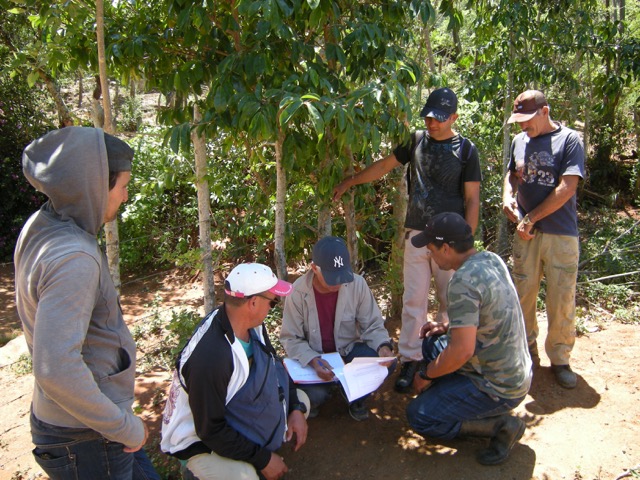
pixel 439 411
pixel 81 453
pixel 321 392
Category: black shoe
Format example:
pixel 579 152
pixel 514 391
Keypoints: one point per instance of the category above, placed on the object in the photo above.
pixel 510 430
pixel 405 378
pixel 358 410
pixel 564 376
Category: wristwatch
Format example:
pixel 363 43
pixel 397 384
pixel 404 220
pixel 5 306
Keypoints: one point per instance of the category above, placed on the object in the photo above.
pixel 526 220
pixel 422 373
pixel 301 407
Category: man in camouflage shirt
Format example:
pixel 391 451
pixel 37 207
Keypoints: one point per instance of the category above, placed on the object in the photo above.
pixel 476 367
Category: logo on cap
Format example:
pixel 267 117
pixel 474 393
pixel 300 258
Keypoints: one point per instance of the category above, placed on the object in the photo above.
pixel 338 262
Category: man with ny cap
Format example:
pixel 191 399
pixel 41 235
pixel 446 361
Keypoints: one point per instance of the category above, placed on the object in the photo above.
pixel 331 309
pixel 443 176
pixel 84 357
pixel 232 403
pixel 476 366
pixel 545 167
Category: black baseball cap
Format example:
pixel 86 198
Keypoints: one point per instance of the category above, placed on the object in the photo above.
pixel 332 256
pixel 119 154
pixel 441 104
pixel 447 227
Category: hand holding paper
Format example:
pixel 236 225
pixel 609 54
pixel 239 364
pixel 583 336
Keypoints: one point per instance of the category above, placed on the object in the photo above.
pixel 358 378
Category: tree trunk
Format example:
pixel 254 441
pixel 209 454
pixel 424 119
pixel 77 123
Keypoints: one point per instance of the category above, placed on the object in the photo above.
pixel 457 44
pixel 396 260
pixel 350 218
pixel 427 41
pixel 97 112
pixel 636 124
pixel 503 240
pixel 586 136
pixel 110 228
pixel 324 221
pixel 204 211
pixel 102 65
pixel 281 196
pixel 64 116
pixel 80 88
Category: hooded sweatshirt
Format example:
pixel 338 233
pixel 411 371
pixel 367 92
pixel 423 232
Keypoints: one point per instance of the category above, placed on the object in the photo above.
pixel 83 353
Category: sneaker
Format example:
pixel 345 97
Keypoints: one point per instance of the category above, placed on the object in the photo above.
pixel 358 410
pixel 565 377
pixel 405 378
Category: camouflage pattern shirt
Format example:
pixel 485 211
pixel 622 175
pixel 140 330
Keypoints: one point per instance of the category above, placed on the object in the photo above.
pixel 481 294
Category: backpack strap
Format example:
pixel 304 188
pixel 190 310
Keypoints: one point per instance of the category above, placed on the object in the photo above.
pixel 417 138
pixel 465 155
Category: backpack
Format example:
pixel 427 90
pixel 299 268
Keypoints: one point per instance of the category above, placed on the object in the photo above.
pixel 465 153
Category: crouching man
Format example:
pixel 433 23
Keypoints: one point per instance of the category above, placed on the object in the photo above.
pixel 477 367
pixel 231 403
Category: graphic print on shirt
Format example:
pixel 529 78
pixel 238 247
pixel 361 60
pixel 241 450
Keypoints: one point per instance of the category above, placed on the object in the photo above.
pixel 436 179
pixel 538 169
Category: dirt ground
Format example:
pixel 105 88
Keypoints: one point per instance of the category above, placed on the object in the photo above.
pixel 592 432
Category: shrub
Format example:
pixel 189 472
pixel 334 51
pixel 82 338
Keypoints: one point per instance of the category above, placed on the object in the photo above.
pixel 21 121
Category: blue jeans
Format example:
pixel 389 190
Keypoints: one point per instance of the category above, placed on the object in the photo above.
pixel 321 392
pixel 81 453
pixel 439 411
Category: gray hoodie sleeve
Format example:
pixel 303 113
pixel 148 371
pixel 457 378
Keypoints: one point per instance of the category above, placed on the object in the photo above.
pixel 83 367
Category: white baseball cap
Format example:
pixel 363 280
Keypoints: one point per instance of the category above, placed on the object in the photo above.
pixel 249 279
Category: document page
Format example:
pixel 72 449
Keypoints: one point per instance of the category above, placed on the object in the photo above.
pixel 363 376
pixel 300 374
pixel 358 378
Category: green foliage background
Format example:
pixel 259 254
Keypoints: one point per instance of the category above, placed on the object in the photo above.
pixel 22 118
pixel 337 84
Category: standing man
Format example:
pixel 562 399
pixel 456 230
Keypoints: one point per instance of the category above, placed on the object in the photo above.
pixel 231 403
pixel 332 310
pixel 84 358
pixel 444 176
pixel 546 165
pixel 476 366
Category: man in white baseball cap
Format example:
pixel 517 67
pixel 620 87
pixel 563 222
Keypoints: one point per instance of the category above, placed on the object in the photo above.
pixel 232 403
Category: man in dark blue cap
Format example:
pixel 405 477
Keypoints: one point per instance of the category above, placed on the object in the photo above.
pixel 443 176
pixel 331 309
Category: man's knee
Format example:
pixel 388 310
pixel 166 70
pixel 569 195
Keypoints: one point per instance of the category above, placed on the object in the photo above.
pixel 418 416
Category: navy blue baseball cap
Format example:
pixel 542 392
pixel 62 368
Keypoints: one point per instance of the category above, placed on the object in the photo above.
pixel 441 104
pixel 332 256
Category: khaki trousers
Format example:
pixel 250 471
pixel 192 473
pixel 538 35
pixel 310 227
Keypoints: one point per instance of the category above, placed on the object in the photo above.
pixel 555 257
pixel 210 466
pixel 419 267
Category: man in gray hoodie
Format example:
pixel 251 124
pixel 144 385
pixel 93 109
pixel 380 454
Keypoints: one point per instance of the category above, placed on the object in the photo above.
pixel 84 356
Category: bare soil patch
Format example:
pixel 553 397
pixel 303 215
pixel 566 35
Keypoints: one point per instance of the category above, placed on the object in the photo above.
pixel 591 432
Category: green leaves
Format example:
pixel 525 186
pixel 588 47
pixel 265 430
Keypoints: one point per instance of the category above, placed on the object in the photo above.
pixel 316 120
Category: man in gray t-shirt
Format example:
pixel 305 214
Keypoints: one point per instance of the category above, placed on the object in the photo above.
pixel 545 167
